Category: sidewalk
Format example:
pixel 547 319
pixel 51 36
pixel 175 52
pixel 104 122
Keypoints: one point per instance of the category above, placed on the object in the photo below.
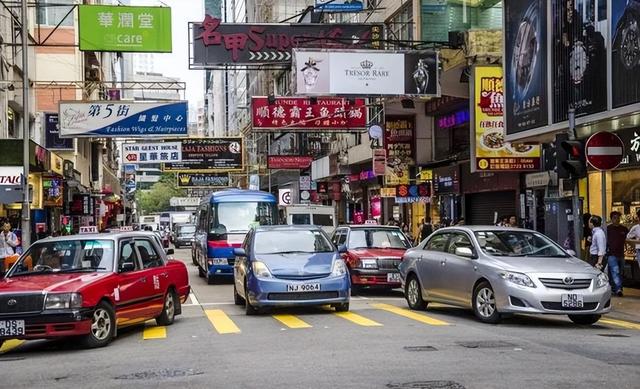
pixel 627 307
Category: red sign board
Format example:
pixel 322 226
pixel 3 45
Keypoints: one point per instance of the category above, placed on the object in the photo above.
pixel 604 150
pixel 291 113
pixel 289 161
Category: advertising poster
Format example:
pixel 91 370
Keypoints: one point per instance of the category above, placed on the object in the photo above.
pixel 209 154
pixel 52 134
pixel 492 153
pixel 579 57
pixel 52 192
pixel 625 52
pixel 122 119
pixel 400 150
pixel 123 28
pixel 525 64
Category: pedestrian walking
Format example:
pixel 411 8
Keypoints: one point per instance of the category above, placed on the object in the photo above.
pixel 426 229
pixel 598 247
pixel 586 234
pixel 512 221
pixel 8 242
pixel 616 237
pixel 633 236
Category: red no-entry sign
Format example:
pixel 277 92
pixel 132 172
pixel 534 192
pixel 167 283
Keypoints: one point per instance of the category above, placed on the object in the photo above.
pixel 604 150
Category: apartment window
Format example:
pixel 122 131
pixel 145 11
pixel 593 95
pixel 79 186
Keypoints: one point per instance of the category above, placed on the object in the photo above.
pixel 51 12
pixel 400 26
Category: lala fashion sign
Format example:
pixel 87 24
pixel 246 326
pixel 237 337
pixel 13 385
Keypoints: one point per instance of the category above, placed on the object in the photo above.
pixel 366 72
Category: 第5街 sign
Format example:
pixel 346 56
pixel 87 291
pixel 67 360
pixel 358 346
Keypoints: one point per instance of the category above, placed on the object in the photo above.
pixel 130 29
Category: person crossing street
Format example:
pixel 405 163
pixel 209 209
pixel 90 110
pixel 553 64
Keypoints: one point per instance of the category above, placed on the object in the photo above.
pixel 616 237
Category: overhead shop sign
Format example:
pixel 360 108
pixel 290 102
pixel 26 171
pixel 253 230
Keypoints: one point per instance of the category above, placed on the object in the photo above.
pixel 300 113
pixel 124 28
pixel 399 144
pixel 122 119
pixel 206 155
pixel 366 72
pixel 142 153
pixel 339 5
pixel 492 152
pixel 52 134
pixel 215 44
pixel 289 161
pixel 203 180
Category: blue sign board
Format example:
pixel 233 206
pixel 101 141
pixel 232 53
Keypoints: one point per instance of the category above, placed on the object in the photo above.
pixel 339 5
pixel 52 134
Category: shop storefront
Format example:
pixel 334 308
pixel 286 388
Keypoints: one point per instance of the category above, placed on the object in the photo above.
pixel 447 201
pixel 363 192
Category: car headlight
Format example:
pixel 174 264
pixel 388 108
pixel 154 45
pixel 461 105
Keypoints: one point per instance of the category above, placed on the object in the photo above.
pixel 602 280
pixel 339 268
pixel 63 301
pixel 260 270
pixel 518 279
pixel 368 263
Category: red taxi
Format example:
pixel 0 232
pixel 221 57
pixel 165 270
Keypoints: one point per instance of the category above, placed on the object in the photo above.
pixel 88 286
pixel 373 253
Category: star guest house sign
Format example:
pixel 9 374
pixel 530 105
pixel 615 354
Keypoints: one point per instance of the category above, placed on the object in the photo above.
pixel 215 44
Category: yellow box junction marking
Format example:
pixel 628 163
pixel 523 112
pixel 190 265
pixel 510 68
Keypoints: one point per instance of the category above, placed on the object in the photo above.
pixel 411 315
pixel 358 319
pixel 10 344
pixel 292 321
pixel 221 322
pixel 155 332
pixel 620 323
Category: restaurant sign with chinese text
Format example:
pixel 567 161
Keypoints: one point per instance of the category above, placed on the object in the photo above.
pixel 298 113
pixel 215 44
pixel 152 152
pixel 115 119
pixel 492 152
pixel 209 154
pixel 124 28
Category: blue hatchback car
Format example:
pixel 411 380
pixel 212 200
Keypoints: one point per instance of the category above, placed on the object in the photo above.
pixel 287 266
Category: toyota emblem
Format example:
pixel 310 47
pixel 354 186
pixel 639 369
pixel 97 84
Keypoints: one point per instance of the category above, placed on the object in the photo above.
pixel 12 302
pixel 568 280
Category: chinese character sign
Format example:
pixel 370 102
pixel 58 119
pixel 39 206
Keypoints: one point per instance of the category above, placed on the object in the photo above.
pixel 122 119
pixel 491 151
pixel 291 113
pixel 399 146
pixel 143 153
pixel 119 28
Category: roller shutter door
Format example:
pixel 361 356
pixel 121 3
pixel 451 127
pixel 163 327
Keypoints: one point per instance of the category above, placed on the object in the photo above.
pixel 481 207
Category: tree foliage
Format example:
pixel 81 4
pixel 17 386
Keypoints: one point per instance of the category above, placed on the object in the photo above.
pixel 157 198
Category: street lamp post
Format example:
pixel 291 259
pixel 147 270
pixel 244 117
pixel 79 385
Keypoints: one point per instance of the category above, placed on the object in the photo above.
pixel 26 218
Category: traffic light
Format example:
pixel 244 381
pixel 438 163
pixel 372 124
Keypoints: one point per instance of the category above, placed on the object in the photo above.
pixel 570 158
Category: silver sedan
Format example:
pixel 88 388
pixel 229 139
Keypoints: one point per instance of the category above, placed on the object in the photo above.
pixel 499 270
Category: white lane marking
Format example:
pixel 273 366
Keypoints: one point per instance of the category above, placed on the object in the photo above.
pixel 194 300
pixel 206 304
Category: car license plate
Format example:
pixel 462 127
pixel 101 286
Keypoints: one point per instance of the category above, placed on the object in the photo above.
pixel 572 300
pixel 393 277
pixel 11 327
pixel 303 287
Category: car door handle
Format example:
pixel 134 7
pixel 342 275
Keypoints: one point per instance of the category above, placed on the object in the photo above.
pixel 165 274
pixel 143 280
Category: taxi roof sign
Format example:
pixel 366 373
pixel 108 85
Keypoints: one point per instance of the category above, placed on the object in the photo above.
pixel 126 228
pixel 88 230
pixel 371 221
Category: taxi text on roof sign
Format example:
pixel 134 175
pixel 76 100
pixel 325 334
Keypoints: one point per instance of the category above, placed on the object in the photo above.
pixel 88 230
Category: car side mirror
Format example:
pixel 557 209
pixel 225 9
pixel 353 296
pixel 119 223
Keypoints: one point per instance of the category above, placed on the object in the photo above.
pixel 127 267
pixel 465 252
pixel 169 251
pixel 239 252
pixel 342 248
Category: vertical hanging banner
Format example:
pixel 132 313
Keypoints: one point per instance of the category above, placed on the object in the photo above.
pixel 52 134
pixel 492 153
pixel 399 146
pixel 579 58
pixel 525 64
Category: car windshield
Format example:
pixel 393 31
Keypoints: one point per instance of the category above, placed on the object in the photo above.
pixel 291 241
pixel 377 238
pixel 187 229
pixel 518 244
pixel 65 256
pixel 240 217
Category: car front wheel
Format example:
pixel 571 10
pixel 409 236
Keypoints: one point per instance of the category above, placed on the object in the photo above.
pixel 344 307
pixel 413 294
pixel 103 326
pixel 248 308
pixel 168 310
pixel 484 304
pixel 586 320
pixel 237 299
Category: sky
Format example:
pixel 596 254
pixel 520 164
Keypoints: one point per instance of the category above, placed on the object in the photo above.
pixel 176 64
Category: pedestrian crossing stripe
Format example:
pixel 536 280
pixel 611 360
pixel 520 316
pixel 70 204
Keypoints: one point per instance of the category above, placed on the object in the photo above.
pixel 411 315
pixel 10 344
pixel 221 322
pixel 358 319
pixel 154 332
pixel 292 321
pixel 620 323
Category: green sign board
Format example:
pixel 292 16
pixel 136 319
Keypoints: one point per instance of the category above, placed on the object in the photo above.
pixel 130 29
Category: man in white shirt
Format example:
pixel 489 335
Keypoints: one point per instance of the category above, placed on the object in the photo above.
pixel 598 243
pixel 633 236
pixel 8 241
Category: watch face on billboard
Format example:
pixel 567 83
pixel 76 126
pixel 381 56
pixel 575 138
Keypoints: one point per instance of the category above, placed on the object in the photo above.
pixel 625 52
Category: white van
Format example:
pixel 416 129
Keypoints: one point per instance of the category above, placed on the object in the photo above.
pixel 323 216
